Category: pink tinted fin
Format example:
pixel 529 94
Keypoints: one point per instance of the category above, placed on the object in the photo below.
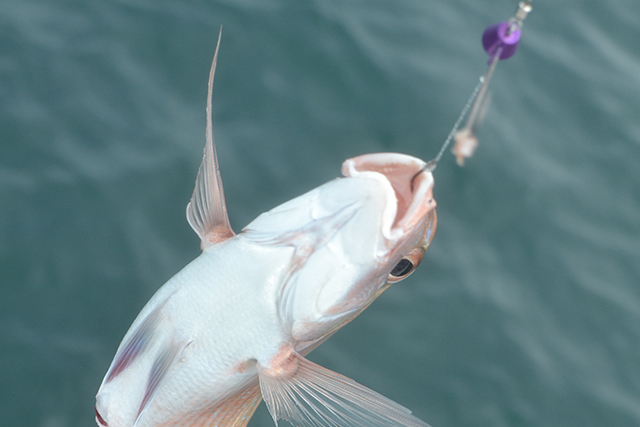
pixel 165 360
pixel 207 210
pixel 135 345
pixel 233 411
pixel 314 396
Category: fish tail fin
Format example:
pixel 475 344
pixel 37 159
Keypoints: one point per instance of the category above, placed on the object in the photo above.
pixel 314 396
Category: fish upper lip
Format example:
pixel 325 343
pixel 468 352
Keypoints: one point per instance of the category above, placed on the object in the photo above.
pixel 411 183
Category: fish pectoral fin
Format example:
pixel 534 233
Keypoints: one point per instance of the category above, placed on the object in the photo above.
pixel 165 360
pixel 135 345
pixel 313 396
pixel 207 210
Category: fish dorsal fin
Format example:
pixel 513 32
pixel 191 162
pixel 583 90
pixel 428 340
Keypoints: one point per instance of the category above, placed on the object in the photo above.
pixel 313 396
pixel 207 210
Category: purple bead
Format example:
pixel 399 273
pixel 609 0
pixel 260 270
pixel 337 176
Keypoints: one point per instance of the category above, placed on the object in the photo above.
pixel 497 36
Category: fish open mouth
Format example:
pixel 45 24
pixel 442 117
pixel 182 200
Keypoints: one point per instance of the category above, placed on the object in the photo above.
pixel 411 184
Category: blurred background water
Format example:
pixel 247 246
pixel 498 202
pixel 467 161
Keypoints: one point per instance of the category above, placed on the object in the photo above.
pixel 526 309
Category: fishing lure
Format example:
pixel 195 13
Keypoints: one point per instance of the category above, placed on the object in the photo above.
pixel 500 41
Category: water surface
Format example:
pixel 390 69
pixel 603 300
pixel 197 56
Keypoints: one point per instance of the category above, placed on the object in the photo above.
pixel 526 309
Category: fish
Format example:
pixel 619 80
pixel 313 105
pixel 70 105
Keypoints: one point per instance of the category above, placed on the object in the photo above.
pixel 235 325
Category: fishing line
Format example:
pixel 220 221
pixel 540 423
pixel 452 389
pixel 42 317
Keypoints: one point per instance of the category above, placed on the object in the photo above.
pixel 500 41
pixel 455 127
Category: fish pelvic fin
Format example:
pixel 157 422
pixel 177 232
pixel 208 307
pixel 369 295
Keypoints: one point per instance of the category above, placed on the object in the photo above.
pixel 207 210
pixel 233 411
pixel 308 395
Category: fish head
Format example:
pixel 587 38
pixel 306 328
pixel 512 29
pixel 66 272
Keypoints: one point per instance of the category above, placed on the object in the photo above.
pixel 352 238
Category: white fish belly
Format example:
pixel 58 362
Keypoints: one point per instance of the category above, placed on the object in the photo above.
pixel 221 312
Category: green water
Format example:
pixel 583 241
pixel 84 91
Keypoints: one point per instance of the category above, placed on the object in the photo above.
pixel 526 309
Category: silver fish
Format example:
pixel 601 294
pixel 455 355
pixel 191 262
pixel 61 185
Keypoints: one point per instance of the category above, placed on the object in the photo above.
pixel 222 334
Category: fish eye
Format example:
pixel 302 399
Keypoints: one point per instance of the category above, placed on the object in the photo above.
pixel 99 418
pixel 402 268
pixel 406 265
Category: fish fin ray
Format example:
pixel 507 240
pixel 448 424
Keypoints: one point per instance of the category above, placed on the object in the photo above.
pixel 315 396
pixel 165 360
pixel 207 210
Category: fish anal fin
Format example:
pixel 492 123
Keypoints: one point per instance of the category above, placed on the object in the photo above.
pixel 207 210
pixel 313 396
pixel 233 411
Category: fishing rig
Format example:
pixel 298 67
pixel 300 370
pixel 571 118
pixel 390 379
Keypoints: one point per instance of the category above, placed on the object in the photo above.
pixel 500 41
